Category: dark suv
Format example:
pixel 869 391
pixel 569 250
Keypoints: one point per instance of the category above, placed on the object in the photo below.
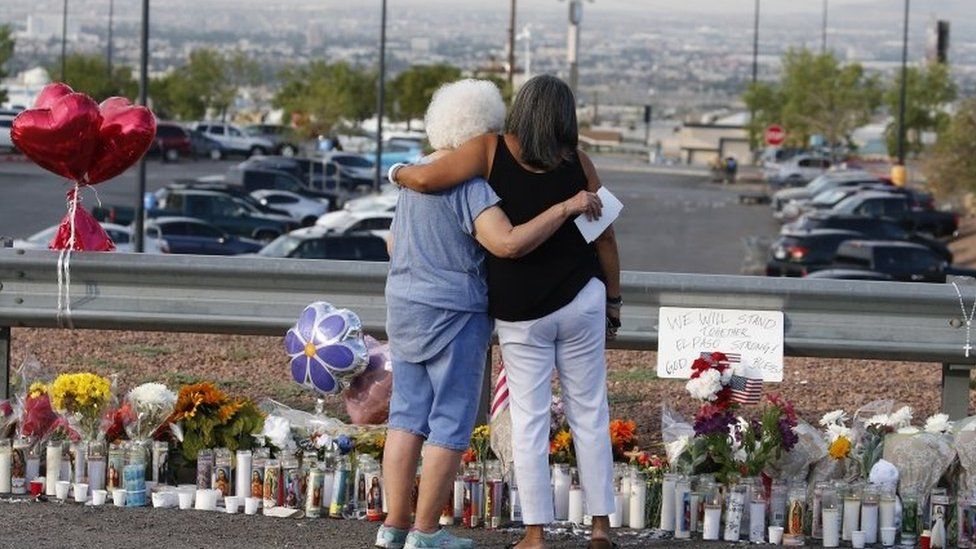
pixel 869 227
pixel 803 252
pixel 900 260
pixel 319 243
pixel 172 141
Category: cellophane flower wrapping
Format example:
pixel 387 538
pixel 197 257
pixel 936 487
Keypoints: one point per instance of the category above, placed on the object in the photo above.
pixel 677 435
pixel 83 400
pixel 795 464
pixel 368 396
pixel 869 427
pixel 965 445
pixel 921 458
pixel 145 409
pixel 31 416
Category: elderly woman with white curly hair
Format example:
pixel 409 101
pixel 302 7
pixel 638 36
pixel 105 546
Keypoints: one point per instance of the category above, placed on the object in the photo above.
pixel 437 320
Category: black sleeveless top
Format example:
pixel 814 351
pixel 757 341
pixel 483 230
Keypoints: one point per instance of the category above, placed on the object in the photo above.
pixel 549 278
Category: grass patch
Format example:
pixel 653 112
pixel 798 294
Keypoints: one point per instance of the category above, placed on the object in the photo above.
pixel 96 363
pixel 177 379
pixel 624 398
pixel 239 354
pixel 640 374
pixel 145 351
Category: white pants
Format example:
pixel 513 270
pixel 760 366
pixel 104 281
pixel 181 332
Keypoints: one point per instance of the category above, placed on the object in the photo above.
pixel 572 340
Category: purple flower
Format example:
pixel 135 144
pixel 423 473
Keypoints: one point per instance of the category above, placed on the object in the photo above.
pixel 786 433
pixel 717 423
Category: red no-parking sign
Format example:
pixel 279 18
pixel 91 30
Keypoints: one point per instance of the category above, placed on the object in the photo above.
pixel 774 135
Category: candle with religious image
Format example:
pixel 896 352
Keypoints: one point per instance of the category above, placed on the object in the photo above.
pixel 682 508
pixel 6 450
pixel 313 497
pixel 18 467
pixel 205 469
pixel 374 493
pixel 471 516
pixel 340 487
pixel 160 461
pixel 966 521
pixel 291 483
pixel 259 458
pixel 116 463
pixel 272 484
pixel 816 517
pixel 795 510
pixel 223 477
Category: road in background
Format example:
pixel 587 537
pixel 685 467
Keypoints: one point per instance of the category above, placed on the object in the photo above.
pixel 671 221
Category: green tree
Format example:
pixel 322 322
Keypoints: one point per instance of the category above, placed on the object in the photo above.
pixel 951 163
pixel 927 93
pixel 6 52
pixel 322 95
pixel 410 92
pixel 816 95
pixel 89 74
pixel 204 84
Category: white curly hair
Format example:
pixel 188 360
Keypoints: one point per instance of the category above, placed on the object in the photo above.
pixel 463 110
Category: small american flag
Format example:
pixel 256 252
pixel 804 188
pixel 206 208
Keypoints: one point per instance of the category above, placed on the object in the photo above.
pixel 499 400
pixel 746 390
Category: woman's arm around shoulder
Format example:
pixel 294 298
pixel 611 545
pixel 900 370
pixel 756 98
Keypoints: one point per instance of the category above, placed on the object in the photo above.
pixel 471 159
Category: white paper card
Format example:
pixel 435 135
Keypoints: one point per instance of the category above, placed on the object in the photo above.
pixel 611 210
pixel 684 334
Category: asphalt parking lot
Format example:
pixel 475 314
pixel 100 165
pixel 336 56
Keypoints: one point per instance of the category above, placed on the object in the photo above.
pixel 671 222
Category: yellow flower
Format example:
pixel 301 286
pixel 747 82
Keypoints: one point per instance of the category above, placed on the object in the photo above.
pixel 37 389
pixel 840 448
pixel 562 441
pixel 76 392
pixel 481 432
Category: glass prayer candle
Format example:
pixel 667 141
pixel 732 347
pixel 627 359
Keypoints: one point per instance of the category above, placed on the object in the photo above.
pixel 733 513
pixel 33 462
pixel 795 510
pixel 909 517
pixel 816 524
pixel 160 462
pixel 757 516
pixel 777 503
pixel 515 504
pixel 638 500
pixel 6 465
pixel 711 524
pixel 96 465
pixel 966 521
pixel 852 511
pixel 223 476
pixel 18 466
pixel 667 502
pixel 313 496
pixel 887 507
pixel 242 474
pixel 682 508
pixel 830 518
pixel 938 506
pixel 495 494
pixel 870 500
pixel 561 481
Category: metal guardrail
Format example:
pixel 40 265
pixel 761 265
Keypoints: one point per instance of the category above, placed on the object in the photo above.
pixel 823 318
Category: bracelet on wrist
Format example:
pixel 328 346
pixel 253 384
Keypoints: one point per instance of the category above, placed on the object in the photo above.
pixel 618 301
pixel 391 174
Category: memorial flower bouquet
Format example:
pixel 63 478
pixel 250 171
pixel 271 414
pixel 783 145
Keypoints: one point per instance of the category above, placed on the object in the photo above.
pixel 206 417
pixel 623 438
pixel 83 401
pixel 144 410
pixel 561 449
pixel 869 434
pixel 37 418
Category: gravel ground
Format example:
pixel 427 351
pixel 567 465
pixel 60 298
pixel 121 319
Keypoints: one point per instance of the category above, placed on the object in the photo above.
pixel 256 366
pixel 42 525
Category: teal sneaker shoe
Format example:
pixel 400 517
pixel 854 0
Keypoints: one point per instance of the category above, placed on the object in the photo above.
pixel 388 537
pixel 441 539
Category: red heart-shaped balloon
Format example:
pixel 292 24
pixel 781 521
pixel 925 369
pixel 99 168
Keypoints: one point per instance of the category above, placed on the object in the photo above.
pixel 63 135
pixel 50 94
pixel 125 135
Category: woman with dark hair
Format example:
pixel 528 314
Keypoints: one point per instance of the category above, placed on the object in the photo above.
pixel 555 306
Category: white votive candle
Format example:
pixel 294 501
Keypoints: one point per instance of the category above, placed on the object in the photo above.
pixel 852 515
pixel 242 484
pixel 625 490
pixel 869 522
pixel 5 466
pixel 887 512
pixel 713 520
pixel 615 521
pixel 757 521
pixel 560 488
pixel 576 505
pixel 638 505
pixel 53 474
pixel 667 502
pixel 831 527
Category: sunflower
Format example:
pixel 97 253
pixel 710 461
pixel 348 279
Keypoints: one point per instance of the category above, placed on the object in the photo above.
pixel 840 448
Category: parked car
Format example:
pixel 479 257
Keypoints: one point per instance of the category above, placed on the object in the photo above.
pixel 400 150
pixel 315 173
pixel 202 146
pixel 6 122
pixel 254 180
pixel 803 252
pixel 187 235
pixel 899 208
pixel 777 155
pixel 234 139
pixel 354 171
pixel 826 200
pixel 343 221
pixel 901 261
pixel 796 171
pixel 302 209
pixel 849 274
pixel 229 189
pixel 230 214
pixel 320 243
pixel 869 227
pixel 386 201
pixel 122 236
pixel 282 138
pixel 172 142
pixel 829 180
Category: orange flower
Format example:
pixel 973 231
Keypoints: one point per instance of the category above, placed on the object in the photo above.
pixel 562 441
pixel 469 456
pixel 622 432
pixel 840 448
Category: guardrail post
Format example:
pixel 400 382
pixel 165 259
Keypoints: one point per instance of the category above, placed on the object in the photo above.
pixel 955 390
pixel 484 404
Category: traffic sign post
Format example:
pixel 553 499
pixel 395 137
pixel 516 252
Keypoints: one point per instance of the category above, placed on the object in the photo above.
pixel 774 135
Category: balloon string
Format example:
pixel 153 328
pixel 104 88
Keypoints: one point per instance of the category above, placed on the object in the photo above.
pixel 64 264
pixel 97 198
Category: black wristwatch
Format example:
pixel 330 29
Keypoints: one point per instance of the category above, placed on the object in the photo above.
pixel 615 302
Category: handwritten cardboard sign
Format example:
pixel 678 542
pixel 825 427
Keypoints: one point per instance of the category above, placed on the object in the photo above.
pixel 683 334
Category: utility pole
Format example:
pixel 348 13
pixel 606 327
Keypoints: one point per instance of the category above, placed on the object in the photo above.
pixel 511 48
pixel 64 38
pixel 755 45
pixel 903 91
pixel 140 222
pixel 380 100
pixel 823 32
pixel 572 46
pixel 111 9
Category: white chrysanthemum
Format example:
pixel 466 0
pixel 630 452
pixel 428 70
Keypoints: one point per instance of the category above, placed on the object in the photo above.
pixel 836 431
pixel 835 417
pixel 277 431
pixel 705 386
pixel 938 424
pixel 675 448
pixel 908 430
pixel 901 418
pixel 877 420
pixel 153 394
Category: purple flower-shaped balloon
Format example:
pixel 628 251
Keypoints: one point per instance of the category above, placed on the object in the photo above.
pixel 326 348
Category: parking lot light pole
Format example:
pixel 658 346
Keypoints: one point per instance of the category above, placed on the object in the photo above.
pixel 140 217
pixel 903 91
pixel 755 44
pixel 380 100
pixel 111 10
pixel 64 38
pixel 823 31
